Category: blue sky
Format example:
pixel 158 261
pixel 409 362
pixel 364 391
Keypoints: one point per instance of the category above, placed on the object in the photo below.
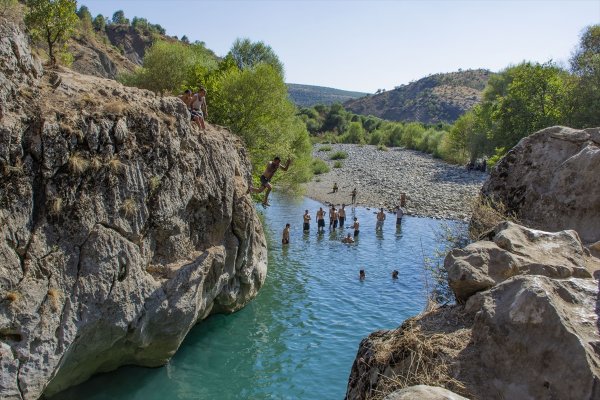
pixel 367 45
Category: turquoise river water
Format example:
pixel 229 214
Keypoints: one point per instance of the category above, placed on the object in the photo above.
pixel 299 337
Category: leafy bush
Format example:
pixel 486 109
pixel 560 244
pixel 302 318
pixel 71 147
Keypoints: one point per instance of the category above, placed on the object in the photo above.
pixel 338 155
pixel 319 167
pixel 382 147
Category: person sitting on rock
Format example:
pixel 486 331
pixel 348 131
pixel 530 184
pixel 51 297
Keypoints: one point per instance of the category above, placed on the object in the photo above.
pixel 188 99
pixel 265 178
pixel 199 109
pixel 285 239
pixel 348 239
pixel 335 187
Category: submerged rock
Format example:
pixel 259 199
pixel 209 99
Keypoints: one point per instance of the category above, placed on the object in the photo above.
pixel 121 226
pixel 423 392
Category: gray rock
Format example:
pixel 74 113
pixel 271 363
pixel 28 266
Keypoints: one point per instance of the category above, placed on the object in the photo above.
pixel 116 236
pixel 537 338
pixel 515 250
pixel 423 392
pixel 550 181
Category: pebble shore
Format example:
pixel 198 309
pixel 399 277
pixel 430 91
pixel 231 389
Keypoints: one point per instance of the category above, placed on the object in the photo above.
pixel 433 187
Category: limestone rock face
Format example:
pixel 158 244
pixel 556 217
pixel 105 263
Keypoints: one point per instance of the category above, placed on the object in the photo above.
pixel 538 338
pixel 121 225
pixel 516 250
pixel 550 181
pixel 423 392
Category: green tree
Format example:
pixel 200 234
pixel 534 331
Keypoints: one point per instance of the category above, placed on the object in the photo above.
pixel 411 134
pixel 99 23
pixel 254 104
pixel 170 67
pixel 119 18
pixel 54 21
pixel 85 20
pixel 355 133
pixel 248 54
pixel 585 65
pixel 140 24
pixel 534 98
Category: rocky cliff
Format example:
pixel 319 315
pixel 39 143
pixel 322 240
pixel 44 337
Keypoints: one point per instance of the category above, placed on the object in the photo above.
pixel 121 225
pixel 526 324
pixel 550 181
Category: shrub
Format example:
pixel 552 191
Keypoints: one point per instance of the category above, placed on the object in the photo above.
pixel 337 164
pixel 13 296
pixel 115 165
pixel 319 167
pixel 78 164
pixel 154 183
pixel 56 206
pixel 382 147
pixel 129 207
pixel 325 148
pixel 338 155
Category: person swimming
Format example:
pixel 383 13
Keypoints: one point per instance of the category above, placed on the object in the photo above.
pixel 362 275
pixel 395 274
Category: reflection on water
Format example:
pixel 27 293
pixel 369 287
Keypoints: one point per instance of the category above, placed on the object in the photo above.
pixel 298 338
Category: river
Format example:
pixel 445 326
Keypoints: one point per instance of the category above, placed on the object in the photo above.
pixel 298 338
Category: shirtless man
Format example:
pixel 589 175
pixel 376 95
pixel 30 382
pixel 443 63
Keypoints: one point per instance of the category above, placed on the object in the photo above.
pixel 285 239
pixel 333 216
pixel 320 220
pixel 188 99
pixel 399 215
pixel 380 219
pixel 272 167
pixel 356 227
pixel 306 226
pixel 348 239
pixel 342 215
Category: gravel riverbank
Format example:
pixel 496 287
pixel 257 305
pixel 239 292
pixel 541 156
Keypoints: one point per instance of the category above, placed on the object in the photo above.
pixel 433 188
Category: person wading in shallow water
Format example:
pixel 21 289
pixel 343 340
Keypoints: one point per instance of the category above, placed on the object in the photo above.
pixel 265 178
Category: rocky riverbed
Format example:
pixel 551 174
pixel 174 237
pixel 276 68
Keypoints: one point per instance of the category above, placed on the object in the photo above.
pixel 433 188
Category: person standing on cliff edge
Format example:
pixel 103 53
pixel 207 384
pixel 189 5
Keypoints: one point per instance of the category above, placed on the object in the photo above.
pixel 265 178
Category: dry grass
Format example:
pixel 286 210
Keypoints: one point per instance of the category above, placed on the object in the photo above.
pixel 488 213
pixel 114 107
pixel 54 299
pixel 12 296
pixel 154 183
pixel 115 165
pixel 77 164
pixel 422 352
pixel 56 206
pixel 96 163
pixel 87 101
pixel 129 207
pixel 157 270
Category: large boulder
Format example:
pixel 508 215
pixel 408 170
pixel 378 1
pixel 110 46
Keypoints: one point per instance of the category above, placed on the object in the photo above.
pixel 550 181
pixel 121 226
pixel 537 338
pixel 516 250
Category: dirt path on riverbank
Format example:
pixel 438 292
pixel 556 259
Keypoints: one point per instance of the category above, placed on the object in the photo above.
pixel 433 188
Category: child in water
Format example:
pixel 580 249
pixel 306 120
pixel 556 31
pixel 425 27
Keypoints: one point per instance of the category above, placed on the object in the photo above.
pixel 285 239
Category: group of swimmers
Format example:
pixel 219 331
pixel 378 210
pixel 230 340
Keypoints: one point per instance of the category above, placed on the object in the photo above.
pixel 362 275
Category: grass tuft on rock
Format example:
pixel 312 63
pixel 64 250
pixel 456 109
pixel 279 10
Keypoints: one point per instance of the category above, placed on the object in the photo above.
pixel 78 164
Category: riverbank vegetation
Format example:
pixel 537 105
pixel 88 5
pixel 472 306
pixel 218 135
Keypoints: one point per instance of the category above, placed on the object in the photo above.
pixel 517 102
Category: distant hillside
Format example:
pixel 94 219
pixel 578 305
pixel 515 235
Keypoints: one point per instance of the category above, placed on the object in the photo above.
pixel 308 96
pixel 433 99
